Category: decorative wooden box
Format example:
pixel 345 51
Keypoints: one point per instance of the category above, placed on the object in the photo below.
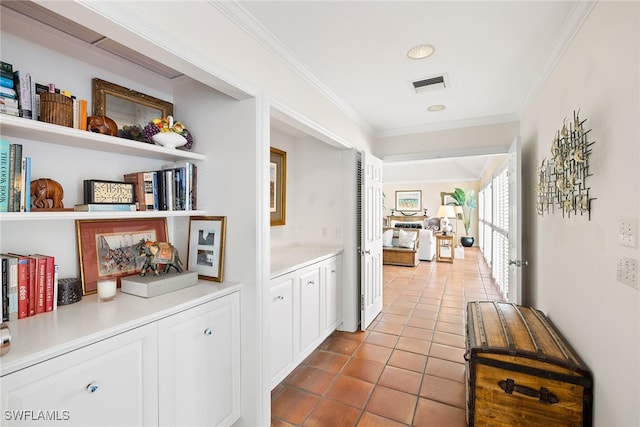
pixel 521 371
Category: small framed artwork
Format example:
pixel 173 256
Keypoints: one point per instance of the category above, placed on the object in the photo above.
pixel 277 186
pixel 206 246
pixel 447 198
pixel 106 247
pixel 409 201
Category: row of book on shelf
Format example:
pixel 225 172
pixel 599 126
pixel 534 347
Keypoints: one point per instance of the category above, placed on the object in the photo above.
pixel 20 96
pixel 29 285
pixel 172 188
pixel 15 178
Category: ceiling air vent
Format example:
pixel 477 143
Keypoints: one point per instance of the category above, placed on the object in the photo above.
pixel 429 83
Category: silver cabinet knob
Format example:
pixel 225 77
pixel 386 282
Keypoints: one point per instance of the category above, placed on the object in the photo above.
pixel 208 331
pixel 92 387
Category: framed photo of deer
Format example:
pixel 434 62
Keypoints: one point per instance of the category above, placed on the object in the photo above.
pixel 206 246
pixel 106 248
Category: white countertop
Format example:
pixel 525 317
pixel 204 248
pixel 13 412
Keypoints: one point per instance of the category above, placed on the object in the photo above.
pixel 289 258
pixel 38 338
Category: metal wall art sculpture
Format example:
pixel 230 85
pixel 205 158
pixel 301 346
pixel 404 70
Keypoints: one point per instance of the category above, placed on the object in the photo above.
pixel 562 178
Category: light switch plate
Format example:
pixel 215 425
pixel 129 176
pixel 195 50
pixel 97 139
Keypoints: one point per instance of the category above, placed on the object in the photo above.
pixel 628 231
pixel 627 271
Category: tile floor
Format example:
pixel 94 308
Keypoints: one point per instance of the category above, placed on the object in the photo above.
pixel 407 368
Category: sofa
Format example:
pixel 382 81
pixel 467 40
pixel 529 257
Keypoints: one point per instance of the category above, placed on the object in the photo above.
pixel 400 247
pixel 426 234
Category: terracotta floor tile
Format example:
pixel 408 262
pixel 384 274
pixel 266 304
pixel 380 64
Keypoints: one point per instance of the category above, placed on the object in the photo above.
pixel 443 390
pixel 350 391
pixel 408 360
pixel 340 345
pixel 401 379
pixel 330 362
pixel 366 370
pixel 421 322
pixel 393 404
pixel 452 328
pixel 332 413
pixel 293 405
pixel 454 354
pixel 355 336
pixel 376 353
pixel 275 422
pixel 451 318
pixel 426 314
pixel 388 328
pixel 449 339
pixel 385 340
pixel 394 318
pixel 372 420
pixel 430 413
pixel 313 380
pixel 413 345
pixel 417 333
pixel 446 369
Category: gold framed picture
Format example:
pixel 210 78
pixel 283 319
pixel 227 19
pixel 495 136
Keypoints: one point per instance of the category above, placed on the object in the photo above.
pixel 277 186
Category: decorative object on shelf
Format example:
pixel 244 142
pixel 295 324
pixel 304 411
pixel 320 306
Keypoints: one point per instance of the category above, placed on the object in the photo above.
pixel 107 289
pixel 468 201
pixel 206 246
pixel 277 186
pixel 45 189
pixel 152 286
pixel 56 108
pixel 125 106
pixel 156 254
pixel 562 178
pixel 167 133
pixel 408 201
pixel 103 125
pixel 445 212
pixel 69 290
pixel 97 191
pixel 106 247
pixel 5 339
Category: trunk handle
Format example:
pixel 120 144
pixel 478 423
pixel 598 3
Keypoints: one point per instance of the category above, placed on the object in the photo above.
pixel 544 395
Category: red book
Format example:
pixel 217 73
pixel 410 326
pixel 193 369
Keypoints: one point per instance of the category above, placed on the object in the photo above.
pixel 31 278
pixel 23 286
pixel 48 284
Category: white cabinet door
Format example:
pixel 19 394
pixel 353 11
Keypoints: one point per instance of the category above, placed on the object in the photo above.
pixel 199 364
pixel 281 328
pixel 332 290
pixel 309 297
pixel 109 383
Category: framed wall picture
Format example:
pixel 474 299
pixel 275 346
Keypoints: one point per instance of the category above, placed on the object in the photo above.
pixel 409 201
pixel 125 106
pixel 447 198
pixel 106 247
pixel 277 186
pixel 206 246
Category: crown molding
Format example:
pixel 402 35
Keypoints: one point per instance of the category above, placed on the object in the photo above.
pixel 452 124
pixel 244 20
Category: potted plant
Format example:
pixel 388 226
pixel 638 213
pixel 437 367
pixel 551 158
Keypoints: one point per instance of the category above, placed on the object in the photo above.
pixel 467 200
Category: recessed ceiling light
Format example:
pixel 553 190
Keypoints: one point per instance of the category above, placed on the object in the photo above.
pixel 420 52
pixel 436 107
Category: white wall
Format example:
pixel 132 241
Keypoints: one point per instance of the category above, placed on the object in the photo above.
pixel 314 192
pixel 572 262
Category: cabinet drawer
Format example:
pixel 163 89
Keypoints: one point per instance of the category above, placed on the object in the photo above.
pixel 112 382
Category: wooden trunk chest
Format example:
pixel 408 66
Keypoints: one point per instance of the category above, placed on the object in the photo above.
pixel 521 372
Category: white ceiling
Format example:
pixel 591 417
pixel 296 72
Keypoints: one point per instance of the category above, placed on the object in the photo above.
pixel 494 55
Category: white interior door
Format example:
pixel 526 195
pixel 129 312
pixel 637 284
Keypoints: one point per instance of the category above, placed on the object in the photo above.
pixel 515 223
pixel 371 253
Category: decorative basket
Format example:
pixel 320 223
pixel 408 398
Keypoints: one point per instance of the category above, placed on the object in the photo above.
pixel 57 109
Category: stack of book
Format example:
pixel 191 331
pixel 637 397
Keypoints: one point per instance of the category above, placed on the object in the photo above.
pixel 15 178
pixel 20 96
pixel 173 188
pixel 29 285
pixel 8 95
